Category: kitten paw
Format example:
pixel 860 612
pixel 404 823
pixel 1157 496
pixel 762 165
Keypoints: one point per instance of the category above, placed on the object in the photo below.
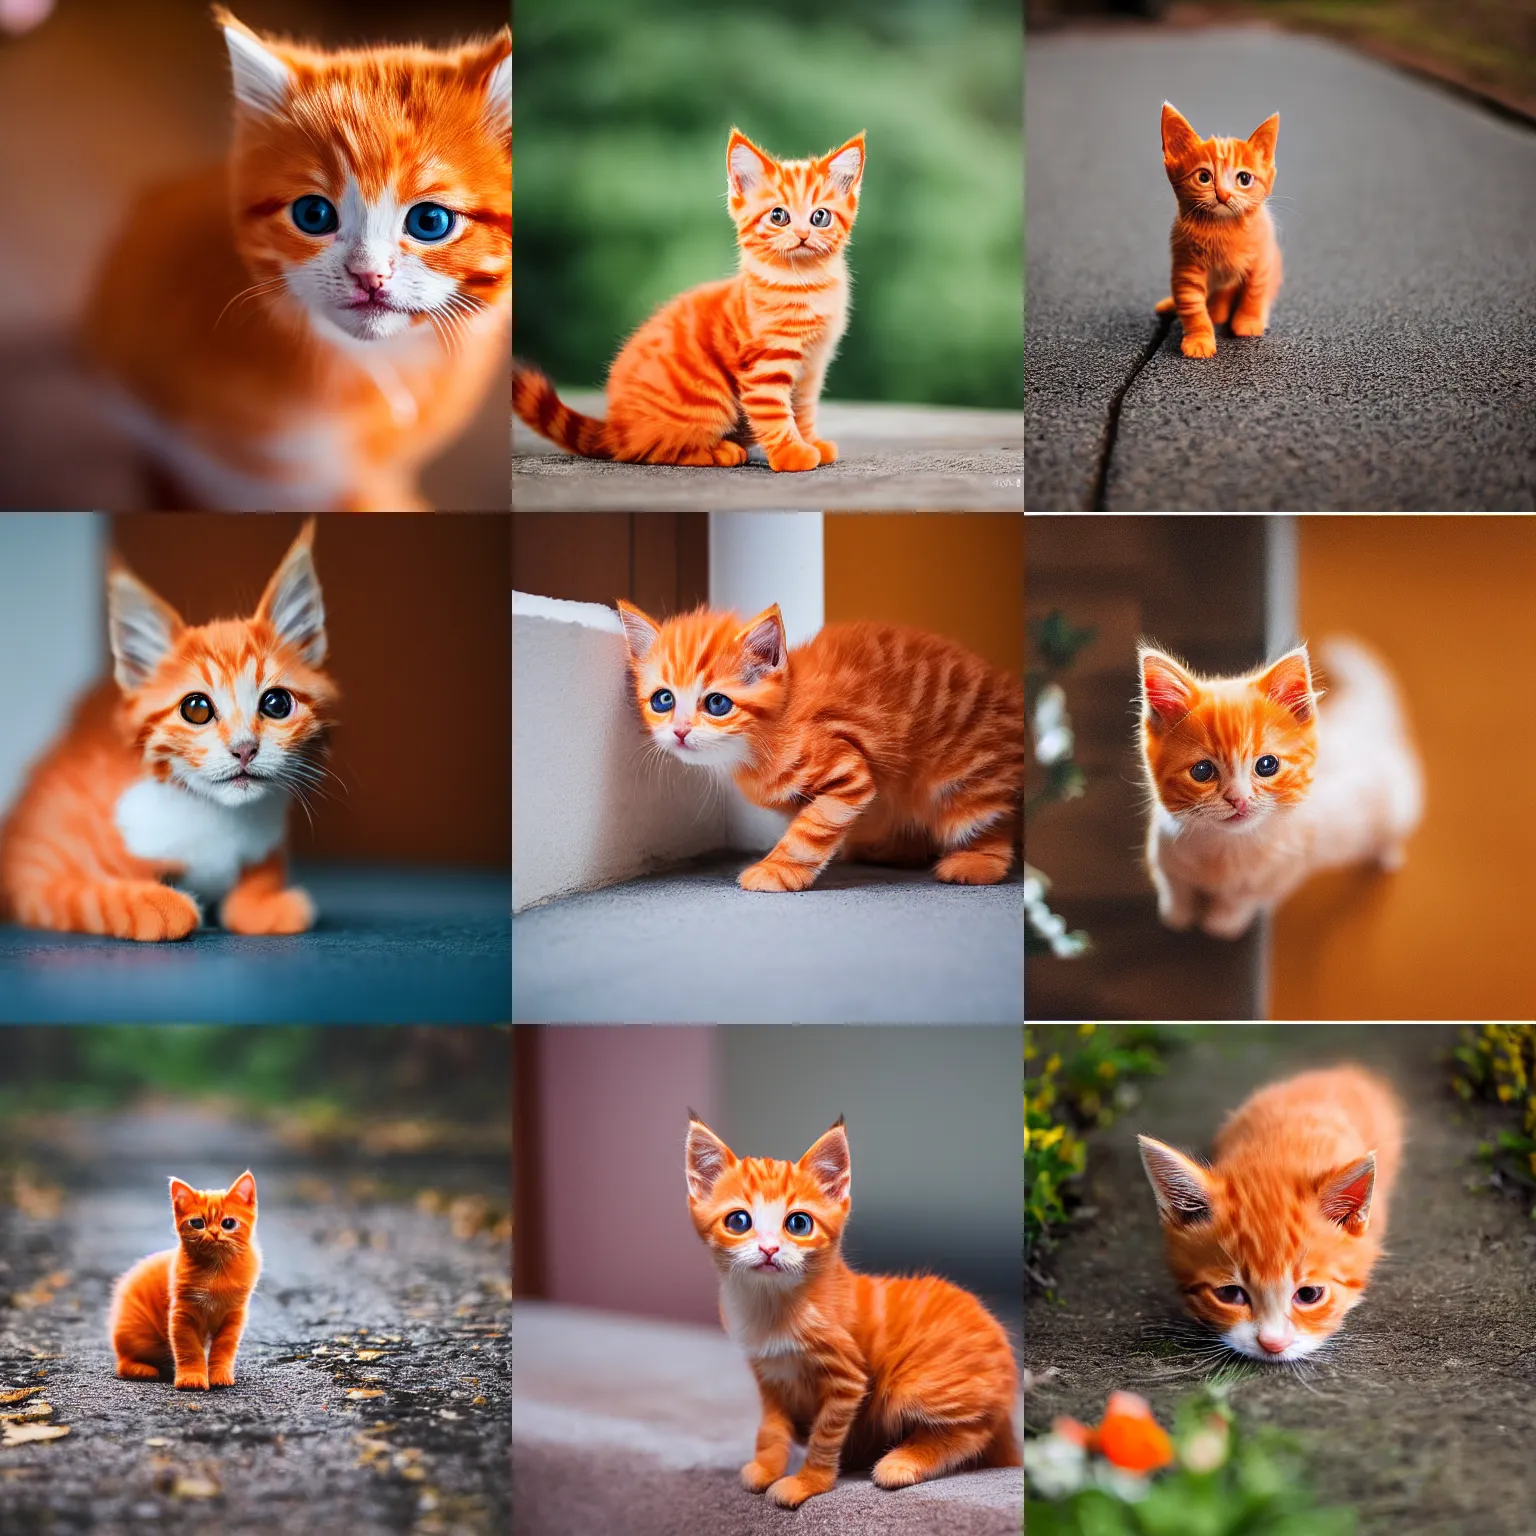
pixel 1248 325
pixel 136 1370
pixel 1198 346
pixel 191 1381
pixel 728 455
pixel 970 868
pixel 793 457
pixel 221 1376
pixel 769 875
pixel 1229 922
pixel 1175 914
pixel 792 1492
pixel 828 451
pixel 289 911
pixel 755 1476
pixel 896 1469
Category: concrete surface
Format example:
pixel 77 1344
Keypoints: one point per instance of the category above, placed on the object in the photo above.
pixel 1396 373
pixel 890 457
pixel 668 1413
pixel 863 945
pixel 391 947
pixel 285 1451
pixel 1420 1413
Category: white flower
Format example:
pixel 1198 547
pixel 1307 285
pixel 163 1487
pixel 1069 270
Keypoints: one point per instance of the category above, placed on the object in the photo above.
pixel 1053 728
pixel 1056 1467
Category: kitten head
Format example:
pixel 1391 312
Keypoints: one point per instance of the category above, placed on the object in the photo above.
pixel 705 682
pixel 373 187
pixel 1218 178
pixel 215 1225
pixel 764 1221
pixel 1271 1260
pixel 1227 753
pixel 791 215
pixel 235 710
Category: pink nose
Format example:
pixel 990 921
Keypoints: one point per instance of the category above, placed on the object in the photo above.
pixel 1273 1344
pixel 767 1253
pixel 369 281
pixel 244 750
pixel 1239 802
pixel 681 731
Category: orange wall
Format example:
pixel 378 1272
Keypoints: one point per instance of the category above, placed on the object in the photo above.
pixel 1447 600
pixel 959 574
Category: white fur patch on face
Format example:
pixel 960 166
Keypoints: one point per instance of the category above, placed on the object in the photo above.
pixel 706 745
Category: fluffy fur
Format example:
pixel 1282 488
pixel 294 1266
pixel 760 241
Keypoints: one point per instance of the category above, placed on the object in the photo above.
pixel 1252 788
pixel 171 784
pixel 184 1310
pixel 1273 1243
pixel 1226 259
pixel 889 745
pixel 913 1375
pixel 737 361
pixel 265 365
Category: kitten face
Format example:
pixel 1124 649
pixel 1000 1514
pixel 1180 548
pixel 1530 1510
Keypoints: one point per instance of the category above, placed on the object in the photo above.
pixel 792 213
pixel 236 710
pixel 1219 178
pixel 1273 1262
pixel 1228 753
pixel 215 1225
pixel 705 682
pixel 373 187
pixel 767 1222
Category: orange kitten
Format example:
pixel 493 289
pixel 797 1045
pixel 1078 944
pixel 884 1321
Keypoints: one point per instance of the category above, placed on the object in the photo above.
pixel 1273 1243
pixel 912 1371
pixel 1253 788
pixel 184 1310
pixel 1226 260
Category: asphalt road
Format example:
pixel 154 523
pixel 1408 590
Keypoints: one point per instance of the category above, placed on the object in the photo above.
pixel 356 1297
pixel 1397 372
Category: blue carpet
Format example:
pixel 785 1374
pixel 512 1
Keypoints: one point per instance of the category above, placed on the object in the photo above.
pixel 391 947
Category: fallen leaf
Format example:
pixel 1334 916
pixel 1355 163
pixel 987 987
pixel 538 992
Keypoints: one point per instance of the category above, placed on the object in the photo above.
pixel 368 1354
pixel 29 1411
pixel 195 1486
pixel 19 1434
pixel 16 1396
pixel 157 1440
pixel 360 1392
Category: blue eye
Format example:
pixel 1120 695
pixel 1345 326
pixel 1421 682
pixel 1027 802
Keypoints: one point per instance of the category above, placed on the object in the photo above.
pixel 717 704
pixel 1267 766
pixel 662 700
pixel 798 1224
pixel 315 215
pixel 821 218
pixel 429 222
pixel 738 1222
pixel 1203 771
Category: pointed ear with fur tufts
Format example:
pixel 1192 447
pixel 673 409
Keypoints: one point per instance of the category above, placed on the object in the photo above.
pixel 292 604
pixel 640 630
pixel 1167 690
pixel 244 1189
pixel 1345 1195
pixel 262 76
pixel 1179 139
pixel 706 1158
pixel 140 627
pixel 845 165
pixel 763 646
pixel 746 166
pixel 827 1162
pixel 1181 1185
pixel 1288 682
pixel 183 1197
pixel 1263 138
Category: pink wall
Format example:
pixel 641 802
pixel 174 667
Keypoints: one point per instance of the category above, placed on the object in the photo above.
pixel 615 1107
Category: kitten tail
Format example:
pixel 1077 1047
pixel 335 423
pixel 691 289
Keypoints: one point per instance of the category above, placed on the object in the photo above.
pixel 535 401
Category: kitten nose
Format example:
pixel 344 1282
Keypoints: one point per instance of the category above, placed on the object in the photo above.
pixel 244 750
pixel 1274 1343
pixel 767 1252
pixel 681 731
pixel 370 279
pixel 1239 802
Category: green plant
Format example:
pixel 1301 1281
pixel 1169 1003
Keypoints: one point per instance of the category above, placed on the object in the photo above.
pixel 1498 1062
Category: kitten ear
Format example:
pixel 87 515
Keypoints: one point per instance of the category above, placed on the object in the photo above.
pixel 706 1157
pixel 1263 137
pixel 1346 1195
pixel 640 632
pixel 1167 690
pixel 763 646
pixel 827 1162
pixel 494 61
pixel 1179 139
pixel 292 604
pixel 262 79
pixel 745 164
pixel 183 1196
pixel 140 626
pixel 1289 683
pixel 846 165
pixel 1181 1185
pixel 244 1188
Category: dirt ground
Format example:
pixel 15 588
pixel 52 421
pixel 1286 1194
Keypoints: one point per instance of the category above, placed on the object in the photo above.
pixel 1423 1414
pixel 362 1292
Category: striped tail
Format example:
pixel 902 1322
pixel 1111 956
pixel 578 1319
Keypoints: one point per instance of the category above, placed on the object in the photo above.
pixel 535 401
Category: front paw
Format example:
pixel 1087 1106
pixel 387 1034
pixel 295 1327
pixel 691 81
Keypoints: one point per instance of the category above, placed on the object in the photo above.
pixel 1229 922
pixel 792 1492
pixel 828 451
pixel 755 1476
pixel 1201 344
pixel 191 1380
pixel 770 875
pixel 729 454
pixel 1248 325
pixel 793 456
pixel 289 911
pixel 221 1376
pixel 897 1469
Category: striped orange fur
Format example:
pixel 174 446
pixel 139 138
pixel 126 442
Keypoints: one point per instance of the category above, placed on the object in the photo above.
pixel 911 1375
pixel 741 360
pixel 1226 259
pixel 890 745
pixel 170 785
pixel 1274 1242
pixel 263 362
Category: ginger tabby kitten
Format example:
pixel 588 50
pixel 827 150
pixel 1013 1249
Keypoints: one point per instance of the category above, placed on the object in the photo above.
pixel 910 1374
pixel 738 361
pixel 1274 1242
pixel 1226 260
pixel 890 745
pixel 305 326
pixel 184 1310
pixel 1253 788
pixel 170 786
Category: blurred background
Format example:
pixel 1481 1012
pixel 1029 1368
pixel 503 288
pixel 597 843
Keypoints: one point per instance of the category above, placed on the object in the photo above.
pixel 98 100
pixel 623 117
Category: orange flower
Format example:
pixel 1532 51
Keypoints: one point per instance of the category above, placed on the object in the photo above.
pixel 1070 1429
pixel 1130 1437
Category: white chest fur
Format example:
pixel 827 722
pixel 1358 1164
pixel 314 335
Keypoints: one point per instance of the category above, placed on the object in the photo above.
pixel 212 843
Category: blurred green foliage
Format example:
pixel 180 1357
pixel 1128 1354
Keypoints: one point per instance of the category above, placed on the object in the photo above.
pixel 623 112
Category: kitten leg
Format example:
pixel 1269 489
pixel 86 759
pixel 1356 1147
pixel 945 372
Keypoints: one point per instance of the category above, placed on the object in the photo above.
pixel 1175 901
pixel 1219 305
pixel 807 398
pixel 187 1348
pixel 386 493
pixel 766 392
pixel 1230 917
pixel 981 844
pixel 844 1383
pixel 774 1436
pixel 136 1370
pixel 816 833
pixel 1258 294
pixel 1199 338
pixel 143 910
pixel 930 1450
pixel 221 1354
pixel 260 903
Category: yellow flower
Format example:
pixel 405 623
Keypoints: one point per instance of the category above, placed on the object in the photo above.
pixel 1045 1140
pixel 1086 1029
pixel 1053 1064
pixel 1106 1069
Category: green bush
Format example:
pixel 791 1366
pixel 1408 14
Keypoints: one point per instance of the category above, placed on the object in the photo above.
pixel 1498 1062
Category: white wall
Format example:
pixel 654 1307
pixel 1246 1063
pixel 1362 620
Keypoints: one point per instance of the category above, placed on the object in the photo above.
pixel 52 629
